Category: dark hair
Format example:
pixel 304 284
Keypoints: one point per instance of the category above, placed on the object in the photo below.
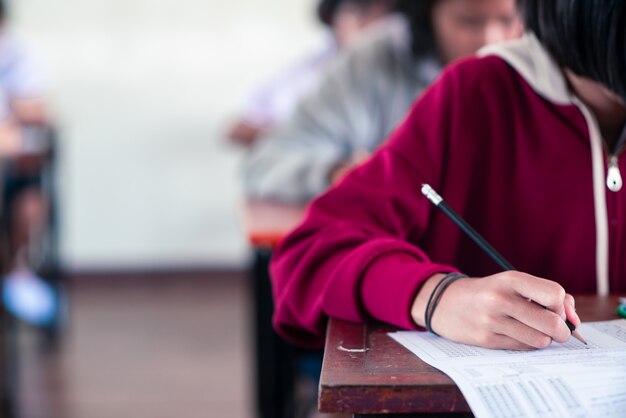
pixel 419 13
pixel 588 37
pixel 326 9
pixel 3 9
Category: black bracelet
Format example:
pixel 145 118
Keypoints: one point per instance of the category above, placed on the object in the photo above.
pixel 435 297
pixel 432 294
pixel 430 306
pixel 446 282
pixel 427 312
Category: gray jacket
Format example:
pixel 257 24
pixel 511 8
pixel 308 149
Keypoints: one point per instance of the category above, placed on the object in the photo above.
pixel 363 96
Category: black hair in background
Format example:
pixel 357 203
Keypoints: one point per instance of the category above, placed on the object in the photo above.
pixel 326 9
pixel 586 36
pixel 419 14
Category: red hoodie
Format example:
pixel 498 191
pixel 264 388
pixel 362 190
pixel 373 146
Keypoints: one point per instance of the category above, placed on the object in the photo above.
pixel 505 143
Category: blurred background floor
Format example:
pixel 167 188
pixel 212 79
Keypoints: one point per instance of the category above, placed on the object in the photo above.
pixel 153 346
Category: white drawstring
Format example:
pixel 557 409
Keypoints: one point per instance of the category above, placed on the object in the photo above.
pixel 599 199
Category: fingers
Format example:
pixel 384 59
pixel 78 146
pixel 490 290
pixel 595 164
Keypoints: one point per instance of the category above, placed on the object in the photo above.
pixel 523 333
pixel 538 304
pixel 570 310
pixel 532 316
pixel 507 312
pixel 546 293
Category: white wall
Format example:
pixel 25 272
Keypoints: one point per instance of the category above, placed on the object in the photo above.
pixel 143 90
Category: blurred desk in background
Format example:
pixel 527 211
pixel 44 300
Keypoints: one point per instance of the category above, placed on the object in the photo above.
pixel 368 374
pixel 266 223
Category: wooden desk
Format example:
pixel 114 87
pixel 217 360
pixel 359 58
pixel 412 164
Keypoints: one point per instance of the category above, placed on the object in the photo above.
pixel 266 223
pixel 366 373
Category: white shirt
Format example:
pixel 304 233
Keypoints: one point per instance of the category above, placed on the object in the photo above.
pixel 20 73
pixel 274 102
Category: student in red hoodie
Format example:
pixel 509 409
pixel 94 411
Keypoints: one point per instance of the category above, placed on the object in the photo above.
pixel 525 142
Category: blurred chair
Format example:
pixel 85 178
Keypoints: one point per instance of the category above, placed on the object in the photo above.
pixel 7 402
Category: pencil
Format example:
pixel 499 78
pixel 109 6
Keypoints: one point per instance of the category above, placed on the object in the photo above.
pixel 438 201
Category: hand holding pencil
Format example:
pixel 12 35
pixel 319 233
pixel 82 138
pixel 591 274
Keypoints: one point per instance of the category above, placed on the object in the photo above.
pixel 509 310
pixel 495 311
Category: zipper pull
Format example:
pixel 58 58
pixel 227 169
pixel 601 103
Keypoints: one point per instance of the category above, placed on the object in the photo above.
pixel 614 177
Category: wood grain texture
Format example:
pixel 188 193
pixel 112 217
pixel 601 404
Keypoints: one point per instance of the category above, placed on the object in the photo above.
pixel 366 372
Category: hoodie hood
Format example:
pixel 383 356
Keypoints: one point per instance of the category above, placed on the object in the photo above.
pixel 534 64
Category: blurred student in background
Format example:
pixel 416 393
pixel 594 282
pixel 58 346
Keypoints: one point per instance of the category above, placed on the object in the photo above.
pixel 527 142
pixel 274 102
pixel 368 90
pixel 21 78
pixel 25 209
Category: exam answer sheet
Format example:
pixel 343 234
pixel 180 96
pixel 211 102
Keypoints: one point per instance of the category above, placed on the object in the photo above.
pixel 562 380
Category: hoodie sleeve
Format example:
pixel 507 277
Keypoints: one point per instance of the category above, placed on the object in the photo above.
pixel 354 256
